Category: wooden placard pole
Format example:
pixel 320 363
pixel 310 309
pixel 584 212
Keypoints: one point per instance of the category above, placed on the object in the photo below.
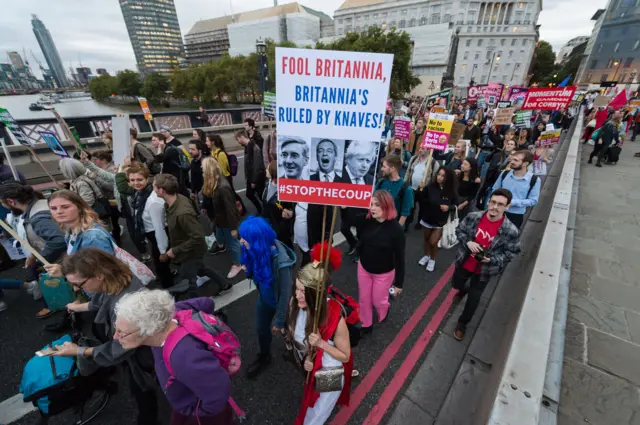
pixel 23 242
pixel 67 130
pixel 427 168
pixel 35 157
pixel 7 155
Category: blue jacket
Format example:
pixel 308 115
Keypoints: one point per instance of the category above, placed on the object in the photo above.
pixel 283 261
pixel 94 237
pixel 519 187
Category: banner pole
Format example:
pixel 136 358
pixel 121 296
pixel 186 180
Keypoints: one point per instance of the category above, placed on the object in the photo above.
pixel 6 152
pixel 150 125
pixel 427 168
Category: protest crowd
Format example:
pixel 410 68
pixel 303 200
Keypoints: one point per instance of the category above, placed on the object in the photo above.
pixel 462 173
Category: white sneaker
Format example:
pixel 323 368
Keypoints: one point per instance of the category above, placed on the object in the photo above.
pixel 424 260
pixel 33 288
pixel 3 306
pixel 431 265
pixel 235 270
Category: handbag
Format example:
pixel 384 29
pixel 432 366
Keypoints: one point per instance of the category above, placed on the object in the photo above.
pixel 449 238
pixel 329 379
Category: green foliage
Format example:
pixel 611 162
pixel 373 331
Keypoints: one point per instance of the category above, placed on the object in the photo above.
pixel 129 83
pixel 568 67
pixel 543 66
pixel 155 86
pixel 103 86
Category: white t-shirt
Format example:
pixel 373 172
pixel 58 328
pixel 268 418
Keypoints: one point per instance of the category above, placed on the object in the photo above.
pixel 300 231
pixel 154 220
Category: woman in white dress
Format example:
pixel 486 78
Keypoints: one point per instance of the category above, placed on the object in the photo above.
pixel 315 352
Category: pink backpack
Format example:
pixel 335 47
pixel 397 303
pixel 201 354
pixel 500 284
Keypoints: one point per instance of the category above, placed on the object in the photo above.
pixel 220 340
pixel 219 337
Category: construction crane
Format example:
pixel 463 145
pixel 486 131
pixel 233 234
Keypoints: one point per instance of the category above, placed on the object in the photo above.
pixel 37 61
pixel 26 59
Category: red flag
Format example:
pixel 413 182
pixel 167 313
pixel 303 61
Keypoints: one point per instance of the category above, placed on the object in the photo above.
pixel 619 101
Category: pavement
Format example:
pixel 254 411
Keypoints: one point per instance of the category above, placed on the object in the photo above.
pixel 385 359
pixel 601 376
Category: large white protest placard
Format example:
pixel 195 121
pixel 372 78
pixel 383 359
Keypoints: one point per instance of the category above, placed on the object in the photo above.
pixel 121 138
pixel 332 104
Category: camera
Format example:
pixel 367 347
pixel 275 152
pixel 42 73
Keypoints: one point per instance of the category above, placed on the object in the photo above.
pixel 479 255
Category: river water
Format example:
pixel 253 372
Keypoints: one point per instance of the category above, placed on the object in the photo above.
pixel 80 107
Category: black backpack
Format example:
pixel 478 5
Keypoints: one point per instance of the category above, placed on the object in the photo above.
pixel 401 194
pixel 532 183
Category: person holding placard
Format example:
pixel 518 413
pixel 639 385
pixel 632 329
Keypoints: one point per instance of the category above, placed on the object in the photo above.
pixel 416 176
pixel 395 148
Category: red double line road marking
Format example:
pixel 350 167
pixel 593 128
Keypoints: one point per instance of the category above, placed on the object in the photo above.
pixel 390 393
pixel 390 352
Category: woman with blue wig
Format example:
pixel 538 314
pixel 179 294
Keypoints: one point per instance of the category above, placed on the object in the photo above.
pixel 269 264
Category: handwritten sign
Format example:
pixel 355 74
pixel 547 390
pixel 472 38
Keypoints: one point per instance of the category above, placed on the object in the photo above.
pixel 438 131
pixel 456 133
pixel 402 128
pixel 504 116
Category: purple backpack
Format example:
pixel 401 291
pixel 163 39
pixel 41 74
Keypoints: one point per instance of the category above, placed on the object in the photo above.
pixel 218 337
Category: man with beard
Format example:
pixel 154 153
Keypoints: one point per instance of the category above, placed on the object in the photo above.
pixel 358 159
pixel 294 157
pixel 479 256
pixel 326 153
pixel 523 184
pixel 473 133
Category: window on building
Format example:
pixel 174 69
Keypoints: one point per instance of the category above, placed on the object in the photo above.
pixel 463 68
pixel 527 18
pixel 383 14
pixel 477 56
pixel 403 23
pixel 339 21
pixel 491 29
pixel 489 54
pixel 466 55
pixel 469 29
pixel 513 42
pixel 492 42
pixel 446 18
pixel 358 18
pixel 357 29
pixel 404 11
pixel 423 21
pixel 593 64
pixel 471 17
pixel 503 41
pixel 628 62
pixel 605 33
pixel 617 48
pixel 480 42
pixel 392 24
pixel 435 18
pixel 366 17
pixel 460 18
pixel 375 16
pixel 412 22
pixel 604 77
pixel 468 43
pixel 510 53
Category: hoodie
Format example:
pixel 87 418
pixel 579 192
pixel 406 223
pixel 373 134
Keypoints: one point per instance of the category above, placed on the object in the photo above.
pixel 189 394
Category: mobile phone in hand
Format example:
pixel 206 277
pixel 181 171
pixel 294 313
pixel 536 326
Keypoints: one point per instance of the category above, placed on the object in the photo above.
pixel 46 352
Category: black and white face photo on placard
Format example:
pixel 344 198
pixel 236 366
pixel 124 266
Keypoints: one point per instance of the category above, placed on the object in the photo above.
pixel 293 158
pixel 327 156
pixel 360 159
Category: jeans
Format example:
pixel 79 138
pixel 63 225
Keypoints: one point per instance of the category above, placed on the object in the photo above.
pixel 163 270
pixel 10 283
pixel 264 317
pixel 373 292
pixel 224 237
pixel 482 156
pixel 474 291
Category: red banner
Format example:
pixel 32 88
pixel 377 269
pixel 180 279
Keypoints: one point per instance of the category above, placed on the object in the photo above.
pixel 474 92
pixel 548 98
pixel 326 193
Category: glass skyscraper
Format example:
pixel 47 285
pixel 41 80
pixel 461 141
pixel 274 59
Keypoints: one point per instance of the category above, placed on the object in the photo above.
pixel 155 35
pixel 49 51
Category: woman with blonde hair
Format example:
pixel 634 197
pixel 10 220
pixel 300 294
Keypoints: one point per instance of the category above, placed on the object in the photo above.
pixel 109 279
pixel 219 203
pixel 79 223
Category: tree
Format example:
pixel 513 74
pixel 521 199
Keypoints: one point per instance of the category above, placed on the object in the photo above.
pixel 155 86
pixel 129 83
pixel 103 86
pixel 375 40
pixel 543 65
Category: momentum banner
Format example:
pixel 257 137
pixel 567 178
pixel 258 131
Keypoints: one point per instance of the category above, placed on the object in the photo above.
pixel 548 98
pixel 330 110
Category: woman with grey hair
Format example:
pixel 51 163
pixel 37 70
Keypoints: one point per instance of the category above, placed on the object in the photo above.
pixel 199 388
pixel 80 183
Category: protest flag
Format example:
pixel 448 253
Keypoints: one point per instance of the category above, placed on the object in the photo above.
pixel 565 81
pixel 619 101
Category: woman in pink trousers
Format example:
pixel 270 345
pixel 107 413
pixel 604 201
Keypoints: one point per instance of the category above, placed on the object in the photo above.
pixel 381 251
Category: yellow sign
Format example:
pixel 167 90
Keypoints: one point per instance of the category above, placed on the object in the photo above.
pixel 438 131
pixel 144 105
pixel 438 109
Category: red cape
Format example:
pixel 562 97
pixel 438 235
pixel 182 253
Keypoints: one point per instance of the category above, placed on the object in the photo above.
pixel 310 396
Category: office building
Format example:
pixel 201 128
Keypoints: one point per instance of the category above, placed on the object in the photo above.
pixel 83 74
pixel 288 22
pixel 496 39
pixel 16 61
pixel 208 39
pixel 49 51
pixel 567 49
pixel 155 35
pixel 102 71
pixel 613 51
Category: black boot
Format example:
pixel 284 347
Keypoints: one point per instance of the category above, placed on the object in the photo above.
pixel 258 365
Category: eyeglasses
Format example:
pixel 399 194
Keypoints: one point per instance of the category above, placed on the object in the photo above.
pixel 497 204
pixel 118 333
pixel 80 284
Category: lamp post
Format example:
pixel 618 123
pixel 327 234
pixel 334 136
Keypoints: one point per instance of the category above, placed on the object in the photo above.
pixel 493 58
pixel 263 65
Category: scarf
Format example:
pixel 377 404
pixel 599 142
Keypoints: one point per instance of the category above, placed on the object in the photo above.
pixel 139 202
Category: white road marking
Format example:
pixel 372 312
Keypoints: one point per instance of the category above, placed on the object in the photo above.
pixel 14 408
pixel 241 190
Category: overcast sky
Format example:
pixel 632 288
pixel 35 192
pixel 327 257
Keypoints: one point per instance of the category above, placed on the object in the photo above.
pixel 93 31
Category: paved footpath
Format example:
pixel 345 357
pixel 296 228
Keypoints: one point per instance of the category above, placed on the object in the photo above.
pixel 601 372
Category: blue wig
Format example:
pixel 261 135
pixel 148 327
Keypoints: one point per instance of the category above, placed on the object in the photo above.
pixel 258 258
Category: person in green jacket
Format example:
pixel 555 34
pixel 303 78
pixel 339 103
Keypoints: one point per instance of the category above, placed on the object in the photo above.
pixel 186 238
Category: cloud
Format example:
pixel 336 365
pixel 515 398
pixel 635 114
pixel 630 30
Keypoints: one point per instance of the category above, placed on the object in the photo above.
pixel 93 31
